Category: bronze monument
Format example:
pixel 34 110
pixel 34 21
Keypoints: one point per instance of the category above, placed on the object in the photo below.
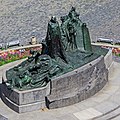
pixel 65 48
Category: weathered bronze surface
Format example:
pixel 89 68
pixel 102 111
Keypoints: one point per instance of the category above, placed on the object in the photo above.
pixel 65 48
pixel 71 28
pixel 53 40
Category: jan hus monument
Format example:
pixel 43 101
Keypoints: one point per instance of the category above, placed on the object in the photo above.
pixel 68 69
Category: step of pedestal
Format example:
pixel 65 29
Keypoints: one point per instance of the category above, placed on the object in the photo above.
pixel 111 115
pixel 3 118
pixel 116 118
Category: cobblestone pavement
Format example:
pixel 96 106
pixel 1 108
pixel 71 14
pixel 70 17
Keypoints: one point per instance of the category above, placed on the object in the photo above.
pixel 19 20
pixel 102 106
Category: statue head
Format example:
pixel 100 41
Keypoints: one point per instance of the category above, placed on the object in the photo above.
pixel 71 12
pixel 84 24
pixel 73 9
pixel 53 19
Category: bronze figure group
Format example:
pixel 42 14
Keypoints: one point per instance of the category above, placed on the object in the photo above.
pixel 60 53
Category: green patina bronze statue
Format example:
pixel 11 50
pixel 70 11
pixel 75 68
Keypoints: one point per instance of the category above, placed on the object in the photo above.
pixel 72 31
pixel 34 72
pixel 53 40
pixel 65 48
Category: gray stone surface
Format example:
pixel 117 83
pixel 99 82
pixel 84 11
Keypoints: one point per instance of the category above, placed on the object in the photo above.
pixel 88 114
pixel 3 118
pixel 68 117
pixel 23 108
pixel 25 101
pixel 21 20
pixel 111 115
pixel 106 107
pixel 26 96
pixel 108 59
pixel 77 85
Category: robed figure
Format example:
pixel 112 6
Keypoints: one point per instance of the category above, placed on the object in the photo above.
pixel 53 40
pixel 72 31
pixel 86 38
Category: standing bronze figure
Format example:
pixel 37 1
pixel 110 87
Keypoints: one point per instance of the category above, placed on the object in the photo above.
pixel 53 40
pixel 72 31
pixel 61 53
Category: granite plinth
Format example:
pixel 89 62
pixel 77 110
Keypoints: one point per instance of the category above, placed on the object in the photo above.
pixel 24 101
pixel 109 63
pixel 78 85
pixel 64 90
pixel 26 96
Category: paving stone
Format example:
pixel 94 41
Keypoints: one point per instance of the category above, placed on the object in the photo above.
pixel 110 89
pixel 87 114
pixel 111 115
pixel 68 117
pixel 116 118
pixel 115 97
pixel 106 106
pixel 100 97
pixel 63 94
pixel 3 118
pixel 65 110
pixel 86 104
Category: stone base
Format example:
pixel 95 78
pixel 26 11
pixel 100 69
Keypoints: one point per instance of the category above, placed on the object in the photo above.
pixel 52 103
pixel 78 85
pixel 64 90
pixel 111 70
pixel 24 101
pixel 108 60
pixel 22 108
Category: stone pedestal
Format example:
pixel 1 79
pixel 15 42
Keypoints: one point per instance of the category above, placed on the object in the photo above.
pixel 109 63
pixel 24 101
pixel 64 90
pixel 78 85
